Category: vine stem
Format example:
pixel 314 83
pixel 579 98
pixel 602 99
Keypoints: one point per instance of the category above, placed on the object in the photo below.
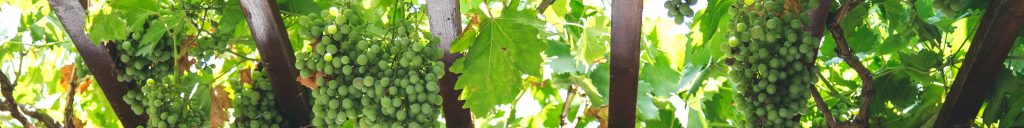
pixel 7 88
pixel 567 104
pixel 845 52
pixel 31 112
pixel 820 19
pixel 831 120
pixel 69 109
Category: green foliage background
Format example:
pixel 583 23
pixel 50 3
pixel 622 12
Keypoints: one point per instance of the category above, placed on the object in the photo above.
pixel 522 65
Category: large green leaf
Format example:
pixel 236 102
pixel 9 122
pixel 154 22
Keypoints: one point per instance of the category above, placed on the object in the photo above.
pixel 709 19
pixel 661 75
pixel 601 79
pixel 302 6
pixel 107 27
pixel 1007 88
pixel 231 16
pixel 894 87
pixel 644 102
pixel 594 43
pixel 136 12
pixel 506 48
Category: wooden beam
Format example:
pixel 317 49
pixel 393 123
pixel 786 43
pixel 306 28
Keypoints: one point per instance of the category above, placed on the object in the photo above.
pixel 278 57
pixel 72 16
pixel 446 24
pixel 974 81
pixel 625 62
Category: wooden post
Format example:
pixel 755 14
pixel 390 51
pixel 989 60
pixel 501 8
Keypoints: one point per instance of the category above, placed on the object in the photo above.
pixel 991 44
pixel 99 61
pixel 277 55
pixel 446 24
pixel 625 62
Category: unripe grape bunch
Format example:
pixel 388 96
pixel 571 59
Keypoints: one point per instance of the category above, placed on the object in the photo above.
pixel 158 93
pixel 138 61
pixel 254 103
pixel 771 58
pixel 680 9
pixel 953 8
pixel 369 73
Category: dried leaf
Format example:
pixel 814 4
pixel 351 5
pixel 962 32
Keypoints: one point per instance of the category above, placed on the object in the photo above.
pixel 246 76
pixel 218 108
pixel 474 21
pixel 310 82
pixel 82 86
pixel 184 62
pixel 67 75
pixel 78 123
pixel 600 113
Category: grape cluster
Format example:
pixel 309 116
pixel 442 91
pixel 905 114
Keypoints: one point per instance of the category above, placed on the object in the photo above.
pixel 138 61
pixel 162 102
pixel 772 62
pixel 367 74
pixel 159 93
pixel 680 9
pixel 949 8
pixel 254 103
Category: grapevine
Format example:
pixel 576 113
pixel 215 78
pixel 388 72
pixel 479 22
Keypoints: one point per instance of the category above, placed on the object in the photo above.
pixel 254 102
pixel 770 54
pixel 369 73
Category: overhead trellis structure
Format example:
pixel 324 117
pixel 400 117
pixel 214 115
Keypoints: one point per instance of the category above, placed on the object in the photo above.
pixel 990 46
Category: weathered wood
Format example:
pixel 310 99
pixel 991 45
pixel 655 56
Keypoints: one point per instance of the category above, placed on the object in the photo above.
pixel 974 81
pixel 271 39
pixel 72 17
pixel 625 62
pixel 446 24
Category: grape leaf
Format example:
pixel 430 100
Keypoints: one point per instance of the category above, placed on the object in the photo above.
pixel 713 16
pixel 645 103
pixel 302 6
pixel 594 44
pixel 1007 87
pixel 153 34
pixel 106 27
pixel 135 12
pixel 601 79
pixel 464 40
pixel 661 76
pixel 136 5
pixel 506 47
pixel 560 60
pixel 219 104
pixel 231 17
pixel 895 87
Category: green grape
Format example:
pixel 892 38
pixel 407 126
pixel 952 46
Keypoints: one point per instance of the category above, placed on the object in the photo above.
pixel 361 60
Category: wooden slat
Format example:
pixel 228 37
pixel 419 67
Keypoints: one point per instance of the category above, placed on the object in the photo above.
pixel 446 24
pixel 277 56
pixel 974 81
pixel 625 62
pixel 99 61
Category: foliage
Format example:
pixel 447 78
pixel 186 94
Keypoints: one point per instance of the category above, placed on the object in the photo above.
pixel 537 68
